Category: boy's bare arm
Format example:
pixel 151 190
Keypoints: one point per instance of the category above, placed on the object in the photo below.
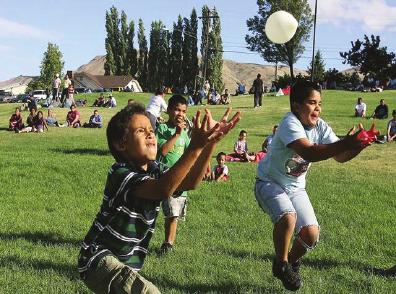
pixel 342 150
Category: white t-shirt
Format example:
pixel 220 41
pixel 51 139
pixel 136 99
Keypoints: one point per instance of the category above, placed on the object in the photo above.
pixel 360 108
pixel 156 105
pixel 282 164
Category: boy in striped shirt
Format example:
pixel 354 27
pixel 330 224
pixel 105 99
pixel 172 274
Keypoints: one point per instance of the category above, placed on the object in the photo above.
pixel 116 245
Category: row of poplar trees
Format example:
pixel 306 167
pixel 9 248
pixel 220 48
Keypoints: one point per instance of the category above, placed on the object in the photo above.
pixel 172 59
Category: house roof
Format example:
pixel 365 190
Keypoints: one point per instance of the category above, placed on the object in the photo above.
pixel 107 81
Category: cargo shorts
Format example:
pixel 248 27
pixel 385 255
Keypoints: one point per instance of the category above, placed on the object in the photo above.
pixel 175 207
pixel 111 276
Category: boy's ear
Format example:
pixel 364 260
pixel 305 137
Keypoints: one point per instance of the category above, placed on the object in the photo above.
pixel 120 146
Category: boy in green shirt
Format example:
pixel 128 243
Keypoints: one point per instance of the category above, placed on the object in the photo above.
pixel 172 141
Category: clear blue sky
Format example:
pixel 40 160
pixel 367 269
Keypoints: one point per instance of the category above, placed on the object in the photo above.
pixel 78 28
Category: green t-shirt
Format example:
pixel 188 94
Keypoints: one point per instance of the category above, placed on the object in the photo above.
pixel 164 132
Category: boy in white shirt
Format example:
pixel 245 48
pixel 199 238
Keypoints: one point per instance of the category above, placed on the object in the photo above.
pixel 301 138
pixel 155 106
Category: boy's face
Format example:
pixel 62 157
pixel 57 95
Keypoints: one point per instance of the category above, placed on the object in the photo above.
pixel 139 145
pixel 242 136
pixel 96 113
pixel 177 114
pixel 309 111
pixel 221 160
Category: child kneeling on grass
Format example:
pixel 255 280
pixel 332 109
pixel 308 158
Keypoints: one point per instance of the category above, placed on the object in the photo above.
pixel 301 138
pixel 116 245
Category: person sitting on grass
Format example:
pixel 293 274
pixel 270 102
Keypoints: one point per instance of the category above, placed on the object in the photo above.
pixel 155 106
pixel 220 171
pixel 39 123
pixel 241 151
pixel 301 138
pixel 360 108
pixel 16 121
pixel 381 111
pixel 116 245
pixel 173 140
pixel 73 117
pixel 29 122
pixel 95 121
pixel 225 98
pixel 391 129
pixel 267 142
pixel 100 101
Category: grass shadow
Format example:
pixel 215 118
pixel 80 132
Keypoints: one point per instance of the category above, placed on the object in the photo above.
pixel 50 239
pixel 221 287
pixel 5 129
pixel 40 265
pixel 83 151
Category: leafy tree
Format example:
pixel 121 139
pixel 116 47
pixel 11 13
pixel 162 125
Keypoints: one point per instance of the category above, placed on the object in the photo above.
pixel 319 68
pixel 123 64
pixel 110 64
pixel 206 23
pixel 372 59
pixel 289 52
pixel 131 51
pixel 193 40
pixel 333 77
pixel 215 55
pixel 176 55
pixel 143 56
pixel 187 55
pixel 158 57
pixel 51 65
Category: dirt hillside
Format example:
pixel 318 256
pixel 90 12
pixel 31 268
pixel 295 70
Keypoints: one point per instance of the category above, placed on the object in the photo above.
pixel 233 72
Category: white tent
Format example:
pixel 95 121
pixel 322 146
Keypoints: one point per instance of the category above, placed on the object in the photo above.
pixel 280 93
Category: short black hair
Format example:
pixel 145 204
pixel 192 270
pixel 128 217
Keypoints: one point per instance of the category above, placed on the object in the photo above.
pixel 115 131
pixel 220 154
pixel 159 91
pixel 176 99
pixel 394 112
pixel 242 132
pixel 301 90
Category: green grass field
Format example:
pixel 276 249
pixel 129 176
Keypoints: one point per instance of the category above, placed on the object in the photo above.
pixel 52 183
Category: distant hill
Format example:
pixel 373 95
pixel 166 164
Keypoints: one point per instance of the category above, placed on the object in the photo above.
pixel 233 72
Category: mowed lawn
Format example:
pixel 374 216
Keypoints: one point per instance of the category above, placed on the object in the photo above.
pixel 52 185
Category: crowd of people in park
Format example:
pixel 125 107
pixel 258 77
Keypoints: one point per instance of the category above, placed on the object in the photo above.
pixel 36 122
pixel 158 161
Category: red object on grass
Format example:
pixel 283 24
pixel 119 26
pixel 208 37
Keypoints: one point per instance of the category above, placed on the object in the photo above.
pixel 368 136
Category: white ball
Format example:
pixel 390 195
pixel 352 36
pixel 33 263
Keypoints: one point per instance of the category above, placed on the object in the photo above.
pixel 280 27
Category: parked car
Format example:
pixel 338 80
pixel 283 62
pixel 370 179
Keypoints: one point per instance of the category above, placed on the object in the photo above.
pixel 21 98
pixel 82 90
pixel 39 95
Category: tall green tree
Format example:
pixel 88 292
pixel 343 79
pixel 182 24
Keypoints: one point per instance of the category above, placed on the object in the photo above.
pixel 123 64
pixel 289 52
pixel 51 64
pixel 194 67
pixel 158 71
pixel 114 39
pixel 372 59
pixel 215 54
pixel 205 46
pixel 142 71
pixel 110 64
pixel 319 67
pixel 176 56
pixel 131 51
pixel 190 50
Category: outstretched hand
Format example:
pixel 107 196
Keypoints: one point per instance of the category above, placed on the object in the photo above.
pixel 225 125
pixel 209 130
pixel 360 138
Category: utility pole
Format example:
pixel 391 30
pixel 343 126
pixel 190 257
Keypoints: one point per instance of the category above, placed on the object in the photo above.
pixel 313 45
